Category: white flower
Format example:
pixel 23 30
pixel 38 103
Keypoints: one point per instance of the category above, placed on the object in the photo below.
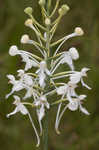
pixel 42 72
pixel 67 90
pixel 73 105
pixel 76 77
pixel 28 83
pixel 26 56
pixel 41 103
pixel 27 79
pixel 67 57
pixel 23 110
pixel 29 63
pixel 17 85
pixel 19 107
pixel 25 82
pixel 29 93
pixel 76 103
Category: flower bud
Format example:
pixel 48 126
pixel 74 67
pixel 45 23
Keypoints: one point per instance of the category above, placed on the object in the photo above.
pixel 28 22
pixel 63 10
pixel 42 2
pixel 13 50
pixel 79 31
pixel 47 21
pixel 24 39
pixel 28 10
pixel 74 53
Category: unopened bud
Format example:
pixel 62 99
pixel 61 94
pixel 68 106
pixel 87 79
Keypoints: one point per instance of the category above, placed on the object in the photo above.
pixel 42 2
pixel 47 21
pixel 63 10
pixel 79 31
pixel 28 10
pixel 28 22
pixel 24 39
pixel 13 50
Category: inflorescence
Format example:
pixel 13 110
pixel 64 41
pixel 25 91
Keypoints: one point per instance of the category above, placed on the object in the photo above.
pixel 45 81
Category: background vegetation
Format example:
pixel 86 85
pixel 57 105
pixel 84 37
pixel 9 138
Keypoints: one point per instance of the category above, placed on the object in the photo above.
pixel 78 132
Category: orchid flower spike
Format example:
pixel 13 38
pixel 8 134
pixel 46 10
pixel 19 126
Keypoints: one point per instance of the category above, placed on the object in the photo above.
pixel 47 72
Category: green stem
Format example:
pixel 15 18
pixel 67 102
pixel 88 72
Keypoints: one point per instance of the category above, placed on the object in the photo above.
pixel 45 120
pixel 54 10
pixel 45 132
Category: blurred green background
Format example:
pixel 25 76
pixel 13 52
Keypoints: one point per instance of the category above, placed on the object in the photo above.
pixel 78 132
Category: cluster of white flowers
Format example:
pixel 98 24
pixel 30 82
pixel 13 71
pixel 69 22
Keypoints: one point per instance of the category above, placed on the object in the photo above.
pixel 44 81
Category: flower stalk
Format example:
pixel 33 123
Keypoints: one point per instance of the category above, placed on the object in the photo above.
pixel 45 121
pixel 45 133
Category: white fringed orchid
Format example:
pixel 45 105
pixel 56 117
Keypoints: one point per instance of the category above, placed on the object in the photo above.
pixel 23 110
pixel 41 103
pixel 44 80
pixel 76 77
pixel 19 107
pixel 67 57
pixel 76 103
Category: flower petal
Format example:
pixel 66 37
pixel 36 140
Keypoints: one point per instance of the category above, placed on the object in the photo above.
pixel 73 105
pixel 23 109
pixel 84 110
pixel 75 78
pixel 13 113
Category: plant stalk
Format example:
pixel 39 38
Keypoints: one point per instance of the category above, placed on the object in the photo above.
pixel 45 120
pixel 45 132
